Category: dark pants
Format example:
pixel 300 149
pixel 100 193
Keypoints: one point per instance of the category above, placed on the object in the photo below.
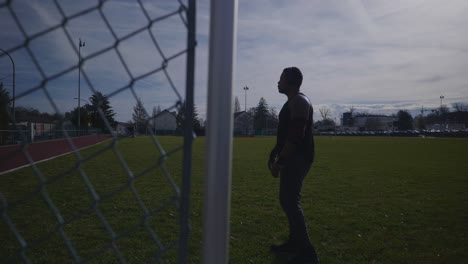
pixel 291 178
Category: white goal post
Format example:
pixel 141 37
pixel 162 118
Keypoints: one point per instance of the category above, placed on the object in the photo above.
pixel 219 131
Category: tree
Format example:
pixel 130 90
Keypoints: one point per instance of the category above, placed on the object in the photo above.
pixel 325 125
pixel 139 117
pixel 431 119
pixel 4 109
pixel 101 102
pixel 405 120
pixel 30 114
pixel 460 107
pixel 202 123
pixel 196 121
pixel 443 113
pixel 84 116
pixel 246 121
pixel 261 114
pixel 237 107
pixel 180 117
pixel 272 119
pixel 324 112
pixel 155 113
pixel 444 110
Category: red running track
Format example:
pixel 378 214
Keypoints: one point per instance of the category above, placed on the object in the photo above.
pixel 12 157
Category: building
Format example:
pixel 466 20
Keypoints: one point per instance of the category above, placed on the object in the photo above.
pixel 165 121
pixel 374 122
pixel 346 121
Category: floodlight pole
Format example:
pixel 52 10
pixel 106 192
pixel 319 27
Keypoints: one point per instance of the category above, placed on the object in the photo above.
pixel 440 110
pixel 245 100
pixel 14 82
pixel 80 44
pixel 87 112
pixel 217 198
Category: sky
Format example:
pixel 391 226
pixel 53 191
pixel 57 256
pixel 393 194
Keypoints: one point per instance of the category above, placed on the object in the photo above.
pixel 377 56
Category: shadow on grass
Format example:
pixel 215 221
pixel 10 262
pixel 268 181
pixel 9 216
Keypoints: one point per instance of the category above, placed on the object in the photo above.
pixel 280 258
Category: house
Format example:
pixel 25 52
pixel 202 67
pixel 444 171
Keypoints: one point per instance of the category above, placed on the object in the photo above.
pixel 243 123
pixel 165 121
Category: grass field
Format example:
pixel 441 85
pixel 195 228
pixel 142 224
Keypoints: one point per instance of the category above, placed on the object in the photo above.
pixel 366 199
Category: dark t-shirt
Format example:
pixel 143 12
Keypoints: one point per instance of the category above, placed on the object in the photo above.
pixel 306 147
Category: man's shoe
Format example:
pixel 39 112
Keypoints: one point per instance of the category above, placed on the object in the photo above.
pixel 286 248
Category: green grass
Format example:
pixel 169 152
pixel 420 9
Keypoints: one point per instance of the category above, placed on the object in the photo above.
pixel 366 200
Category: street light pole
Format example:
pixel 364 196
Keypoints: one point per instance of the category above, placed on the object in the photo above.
pixel 81 44
pixel 14 81
pixel 245 101
pixel 440 114
pixel 87 113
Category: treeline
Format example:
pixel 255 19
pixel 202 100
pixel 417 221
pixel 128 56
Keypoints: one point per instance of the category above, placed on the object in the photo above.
pixel 458 114
pixel 262 116
pixel 443 117
pixel 97 114
pixel 143 121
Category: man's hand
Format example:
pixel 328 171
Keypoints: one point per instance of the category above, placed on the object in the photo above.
pixel 275 169
pixel 272 161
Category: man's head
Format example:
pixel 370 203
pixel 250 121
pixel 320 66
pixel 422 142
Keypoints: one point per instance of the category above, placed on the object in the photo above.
pixel 291 79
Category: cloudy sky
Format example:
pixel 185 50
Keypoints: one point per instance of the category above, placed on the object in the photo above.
pixel 376 55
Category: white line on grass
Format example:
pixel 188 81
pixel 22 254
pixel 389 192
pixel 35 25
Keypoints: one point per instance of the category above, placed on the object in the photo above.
pixel 40 161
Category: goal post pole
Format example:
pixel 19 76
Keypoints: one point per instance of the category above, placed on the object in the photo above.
pixel 219 131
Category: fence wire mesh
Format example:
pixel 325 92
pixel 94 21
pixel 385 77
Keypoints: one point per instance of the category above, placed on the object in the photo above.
pixel 120 200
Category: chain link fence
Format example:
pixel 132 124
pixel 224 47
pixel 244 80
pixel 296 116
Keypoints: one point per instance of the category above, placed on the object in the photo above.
pixel 126 199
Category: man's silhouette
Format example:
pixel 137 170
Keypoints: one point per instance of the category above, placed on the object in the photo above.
pixel 291 160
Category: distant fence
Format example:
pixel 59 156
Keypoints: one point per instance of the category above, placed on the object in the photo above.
pixel 12 137
pixel 397 133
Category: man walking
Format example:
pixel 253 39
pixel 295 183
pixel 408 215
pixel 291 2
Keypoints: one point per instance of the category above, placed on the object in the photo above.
pixel 291 159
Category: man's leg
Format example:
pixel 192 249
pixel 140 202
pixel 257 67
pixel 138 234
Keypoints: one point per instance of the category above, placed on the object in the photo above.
pixel 291 179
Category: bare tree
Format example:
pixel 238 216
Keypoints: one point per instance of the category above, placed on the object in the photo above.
pixel 460 107
pixel 444 110
pixel 324 112
pixel 350 121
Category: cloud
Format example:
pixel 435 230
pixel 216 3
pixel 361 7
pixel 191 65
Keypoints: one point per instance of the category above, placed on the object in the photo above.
pixel 375 54
pixel 354 51
pixel 108 65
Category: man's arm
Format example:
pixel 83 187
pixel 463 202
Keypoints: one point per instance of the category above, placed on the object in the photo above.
pixel 272 160
pixel 300 107
pixel 273 154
